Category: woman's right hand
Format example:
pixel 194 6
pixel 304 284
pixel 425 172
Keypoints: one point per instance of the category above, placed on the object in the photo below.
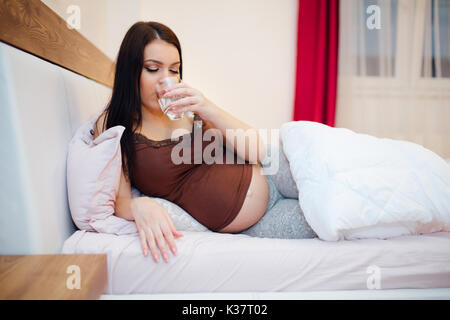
pixel 155 228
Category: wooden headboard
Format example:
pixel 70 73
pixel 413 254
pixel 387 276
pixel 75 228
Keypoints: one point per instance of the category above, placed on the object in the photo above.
pixel 33 27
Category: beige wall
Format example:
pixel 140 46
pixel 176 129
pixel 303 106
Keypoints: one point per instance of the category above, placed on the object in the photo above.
pixel 239 54
pixel 93 18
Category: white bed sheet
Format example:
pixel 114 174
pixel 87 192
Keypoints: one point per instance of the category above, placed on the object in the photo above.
pixel 209 262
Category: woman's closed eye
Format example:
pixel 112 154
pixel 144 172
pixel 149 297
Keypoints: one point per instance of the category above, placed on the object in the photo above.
pixel 155 70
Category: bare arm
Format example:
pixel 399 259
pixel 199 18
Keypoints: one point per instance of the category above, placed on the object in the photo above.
pixel 124 200
pixel 220 119
pixel 240 133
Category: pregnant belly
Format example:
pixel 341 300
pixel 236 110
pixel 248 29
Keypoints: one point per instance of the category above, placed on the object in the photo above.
pixel 255 203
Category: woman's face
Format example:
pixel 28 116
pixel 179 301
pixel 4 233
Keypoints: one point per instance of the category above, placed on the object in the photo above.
pixel 161 59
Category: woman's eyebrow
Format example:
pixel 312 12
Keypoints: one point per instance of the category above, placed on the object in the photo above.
pixel 159 62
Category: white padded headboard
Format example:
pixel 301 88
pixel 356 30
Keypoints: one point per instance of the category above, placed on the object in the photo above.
pixel 41 106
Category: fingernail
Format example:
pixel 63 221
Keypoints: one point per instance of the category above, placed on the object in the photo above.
pixel 166 258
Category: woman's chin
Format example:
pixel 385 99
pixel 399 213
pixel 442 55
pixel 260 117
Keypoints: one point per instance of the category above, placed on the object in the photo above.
pixel 153 107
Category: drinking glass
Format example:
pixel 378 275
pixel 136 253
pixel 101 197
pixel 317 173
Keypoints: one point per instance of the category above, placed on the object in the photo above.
pixel 163 84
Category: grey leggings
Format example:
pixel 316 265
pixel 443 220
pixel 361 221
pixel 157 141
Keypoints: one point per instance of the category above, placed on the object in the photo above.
pixel 283 218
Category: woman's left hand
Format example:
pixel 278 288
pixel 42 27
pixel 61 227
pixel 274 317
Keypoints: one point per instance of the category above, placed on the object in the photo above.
pixel 191 100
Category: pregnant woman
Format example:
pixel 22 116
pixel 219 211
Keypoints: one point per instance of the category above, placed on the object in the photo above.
pixel 225 197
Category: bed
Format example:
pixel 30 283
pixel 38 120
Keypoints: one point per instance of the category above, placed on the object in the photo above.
pixel 43 105
pixel 210 262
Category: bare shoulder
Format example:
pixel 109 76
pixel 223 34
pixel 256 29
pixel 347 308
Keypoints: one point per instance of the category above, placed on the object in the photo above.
pixel 99 128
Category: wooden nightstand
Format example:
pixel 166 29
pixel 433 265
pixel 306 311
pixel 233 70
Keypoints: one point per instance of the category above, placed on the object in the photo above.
pixel 59 276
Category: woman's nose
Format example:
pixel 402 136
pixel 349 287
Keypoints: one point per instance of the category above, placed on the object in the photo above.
pixel 161 79
pixel 165 73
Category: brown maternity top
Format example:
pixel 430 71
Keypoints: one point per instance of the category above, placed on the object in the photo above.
pixel 211 193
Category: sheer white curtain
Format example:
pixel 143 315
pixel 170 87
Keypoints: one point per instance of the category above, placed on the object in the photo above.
pixel 394 82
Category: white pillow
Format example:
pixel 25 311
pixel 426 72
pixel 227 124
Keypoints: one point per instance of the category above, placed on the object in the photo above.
pixel 93 178
pixel 354 186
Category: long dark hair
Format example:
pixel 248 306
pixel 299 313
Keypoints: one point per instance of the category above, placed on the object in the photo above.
pixel 124 108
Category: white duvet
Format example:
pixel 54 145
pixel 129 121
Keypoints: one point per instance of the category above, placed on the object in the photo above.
pixel 355 185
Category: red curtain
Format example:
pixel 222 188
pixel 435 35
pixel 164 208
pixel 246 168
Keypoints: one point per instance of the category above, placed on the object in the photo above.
pixel 317 50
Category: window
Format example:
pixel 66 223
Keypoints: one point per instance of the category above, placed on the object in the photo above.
pixel 436 40
pixel 375 48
